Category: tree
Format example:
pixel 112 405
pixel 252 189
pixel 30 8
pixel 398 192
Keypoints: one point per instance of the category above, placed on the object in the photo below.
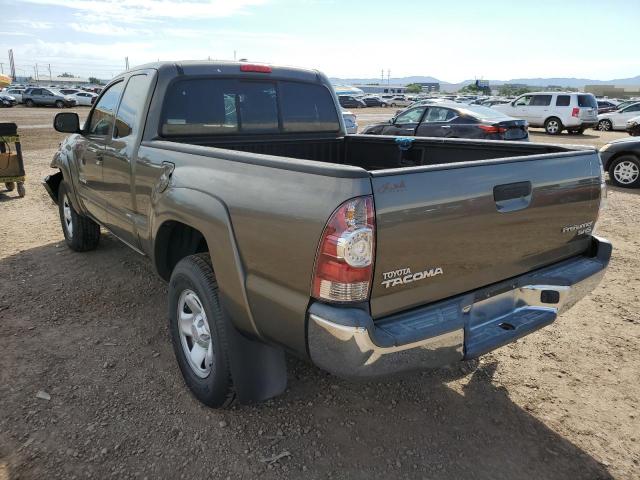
pixel 95 81
pixel 67 75
pixel 413 88
pixel 512 90
pixel 471 88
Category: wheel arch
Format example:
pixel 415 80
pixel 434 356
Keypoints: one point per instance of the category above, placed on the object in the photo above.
pixel 617 155
pixel 198 222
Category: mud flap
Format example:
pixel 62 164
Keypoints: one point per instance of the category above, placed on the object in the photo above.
pixel 51 183
pixel 259 370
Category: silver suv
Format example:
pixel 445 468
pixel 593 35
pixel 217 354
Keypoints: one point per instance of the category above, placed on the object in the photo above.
pixel 47 96
pixel 555 111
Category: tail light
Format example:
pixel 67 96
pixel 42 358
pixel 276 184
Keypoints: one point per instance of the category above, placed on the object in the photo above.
pixel 575 112
pixel 255 68
pixel 344 262
pixel 492 129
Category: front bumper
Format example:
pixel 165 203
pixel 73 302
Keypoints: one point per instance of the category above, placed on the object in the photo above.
pixel 347 342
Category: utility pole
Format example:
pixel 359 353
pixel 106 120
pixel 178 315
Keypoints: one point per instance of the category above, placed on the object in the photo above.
pixel 1 67
pixel 37 74
pixel 12 65
pixel 388 77
pixel 126 63
pixel 382 76
pixel 50 79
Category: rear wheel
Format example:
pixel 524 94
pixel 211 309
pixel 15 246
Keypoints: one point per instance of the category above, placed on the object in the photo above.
pixel 605 125
pixel 625 171
pixel 59 104
pixel 80 232
pixel 29 103
pixel 21 190
pixel 197 328
pixel 553 126
pixel 10 186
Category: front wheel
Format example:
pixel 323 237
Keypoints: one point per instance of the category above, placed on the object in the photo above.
pixel 605 125
pixel 625 171
pixel 553 126
pixel 29 103
pixel 197 328
pixel 59 104
pixel 80 232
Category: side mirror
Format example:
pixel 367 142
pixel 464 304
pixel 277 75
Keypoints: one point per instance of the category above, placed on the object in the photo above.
pixel 67 122
pixel 392 120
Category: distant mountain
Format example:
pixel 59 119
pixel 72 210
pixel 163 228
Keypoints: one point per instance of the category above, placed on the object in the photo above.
pixel 534 82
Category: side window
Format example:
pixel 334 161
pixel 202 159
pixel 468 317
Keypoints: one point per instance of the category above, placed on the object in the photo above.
pixel 102 116
pixel 46 93
pixel 523 101
pixel 131 106
pixel 633 108
pixel 540 101
pixel 563 101
pixel 412 116
pixel 439 114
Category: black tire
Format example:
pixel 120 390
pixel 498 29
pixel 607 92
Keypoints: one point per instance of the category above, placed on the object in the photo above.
pixel 195 273
pixel 580 131
pixel 605 125
pixel 10 186
pixel 628 174
pixel 553 126
pixel 59 104
pixel 29 103
pixel 21 190
pixel 83 234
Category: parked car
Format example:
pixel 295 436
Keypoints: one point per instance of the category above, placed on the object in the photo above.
pixel 375 102
pixel 555 111
pixel 618 120
pixel 452 120
pixel 605 106
pixel 491 103
pixel 7 100
pixel 84 98
pixel 15 93
pixel 47 96
pixel 633 126
pixel 396 100
pixel 277 232
pixel 350 121
pixel 69 91
pixel 621 158
pixel 349 101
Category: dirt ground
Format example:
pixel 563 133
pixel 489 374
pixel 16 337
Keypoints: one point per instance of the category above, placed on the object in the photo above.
pixel 90 331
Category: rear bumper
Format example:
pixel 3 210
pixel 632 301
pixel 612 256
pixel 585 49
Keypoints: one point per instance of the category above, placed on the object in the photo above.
pixel 347 343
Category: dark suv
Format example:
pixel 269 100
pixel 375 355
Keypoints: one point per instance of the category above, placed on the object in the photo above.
pixel 348 101
pixel 47 96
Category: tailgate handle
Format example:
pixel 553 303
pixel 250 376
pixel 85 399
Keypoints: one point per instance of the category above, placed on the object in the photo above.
pixel 511 197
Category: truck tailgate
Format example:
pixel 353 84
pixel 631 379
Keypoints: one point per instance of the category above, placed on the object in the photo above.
pixel 447 229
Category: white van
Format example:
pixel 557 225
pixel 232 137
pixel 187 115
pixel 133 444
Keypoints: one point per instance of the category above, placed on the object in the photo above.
pixel 555 111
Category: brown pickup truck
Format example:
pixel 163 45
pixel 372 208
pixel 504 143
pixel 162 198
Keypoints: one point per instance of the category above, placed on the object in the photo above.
pixel 367 255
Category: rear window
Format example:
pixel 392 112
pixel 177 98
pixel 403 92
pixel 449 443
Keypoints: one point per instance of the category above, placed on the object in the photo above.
pixel 563 101
pixel 206 106
pixel 587 101
pixel 482 113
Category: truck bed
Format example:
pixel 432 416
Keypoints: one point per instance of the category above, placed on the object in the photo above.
pixel 375 152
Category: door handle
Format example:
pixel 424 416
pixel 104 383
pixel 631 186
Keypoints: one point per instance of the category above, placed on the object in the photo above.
pixel 445 126
pixel 512 197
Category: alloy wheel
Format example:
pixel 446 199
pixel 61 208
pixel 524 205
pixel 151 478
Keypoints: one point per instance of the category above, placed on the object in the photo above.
pixel 195 335
pixel 626 172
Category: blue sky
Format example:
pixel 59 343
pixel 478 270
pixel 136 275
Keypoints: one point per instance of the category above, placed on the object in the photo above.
pixel 452 41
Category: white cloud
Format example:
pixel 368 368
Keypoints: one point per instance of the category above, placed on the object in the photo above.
pixel 33 24
pixel 125 10
pixel 106 28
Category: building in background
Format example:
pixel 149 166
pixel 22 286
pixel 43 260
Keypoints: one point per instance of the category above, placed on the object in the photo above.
pixel 429 87
pixel 612 91
pixel 382 88
pixel 62 81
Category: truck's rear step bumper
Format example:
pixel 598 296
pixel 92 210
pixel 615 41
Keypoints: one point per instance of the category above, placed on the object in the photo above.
pixel 346 342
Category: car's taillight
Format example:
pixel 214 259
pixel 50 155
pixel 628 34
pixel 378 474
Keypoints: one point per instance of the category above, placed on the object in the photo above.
pixel 492 128
pixel 575 112
pixel 344 262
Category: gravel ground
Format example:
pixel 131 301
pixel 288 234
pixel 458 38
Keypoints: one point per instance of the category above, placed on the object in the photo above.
pixel 88 333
